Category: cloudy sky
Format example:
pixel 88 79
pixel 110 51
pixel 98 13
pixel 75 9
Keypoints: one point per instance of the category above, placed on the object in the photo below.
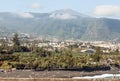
pixel 98 8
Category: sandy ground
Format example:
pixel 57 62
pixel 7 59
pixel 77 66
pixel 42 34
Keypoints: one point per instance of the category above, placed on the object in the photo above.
pixel 51 74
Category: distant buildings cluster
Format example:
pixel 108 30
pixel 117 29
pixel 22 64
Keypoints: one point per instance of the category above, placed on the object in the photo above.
pixel 85 46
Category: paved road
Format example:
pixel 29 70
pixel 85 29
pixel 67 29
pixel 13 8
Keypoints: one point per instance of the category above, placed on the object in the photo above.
pixel 50 74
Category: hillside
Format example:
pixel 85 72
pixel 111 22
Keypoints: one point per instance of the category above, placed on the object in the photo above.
pixel 61 24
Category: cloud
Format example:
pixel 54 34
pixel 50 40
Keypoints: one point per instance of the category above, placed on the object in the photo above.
pixel 107 10
pixel 62 16
pixel 35 6
pixel 26 15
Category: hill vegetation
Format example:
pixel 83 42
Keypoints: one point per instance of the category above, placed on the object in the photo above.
pixel 61 24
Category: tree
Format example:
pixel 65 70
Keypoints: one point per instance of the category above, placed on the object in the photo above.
pixel 97 55
pixel 16 47
pixel 16 40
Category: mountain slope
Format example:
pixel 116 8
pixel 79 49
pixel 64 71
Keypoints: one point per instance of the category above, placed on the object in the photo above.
pixel 61 24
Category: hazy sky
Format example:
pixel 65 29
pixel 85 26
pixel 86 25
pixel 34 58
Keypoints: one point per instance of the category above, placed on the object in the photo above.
pixel 104 8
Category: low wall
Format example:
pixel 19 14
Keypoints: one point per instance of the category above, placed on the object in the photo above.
pixel 55 79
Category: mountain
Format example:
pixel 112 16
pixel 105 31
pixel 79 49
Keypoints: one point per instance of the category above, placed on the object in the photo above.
pixel 60 24
pixel 66 14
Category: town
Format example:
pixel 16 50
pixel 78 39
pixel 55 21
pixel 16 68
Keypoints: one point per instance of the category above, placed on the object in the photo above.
pixel 84 46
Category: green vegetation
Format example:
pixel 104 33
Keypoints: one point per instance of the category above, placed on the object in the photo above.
pixel 67 59
pixel 50 58
pixel 83 28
